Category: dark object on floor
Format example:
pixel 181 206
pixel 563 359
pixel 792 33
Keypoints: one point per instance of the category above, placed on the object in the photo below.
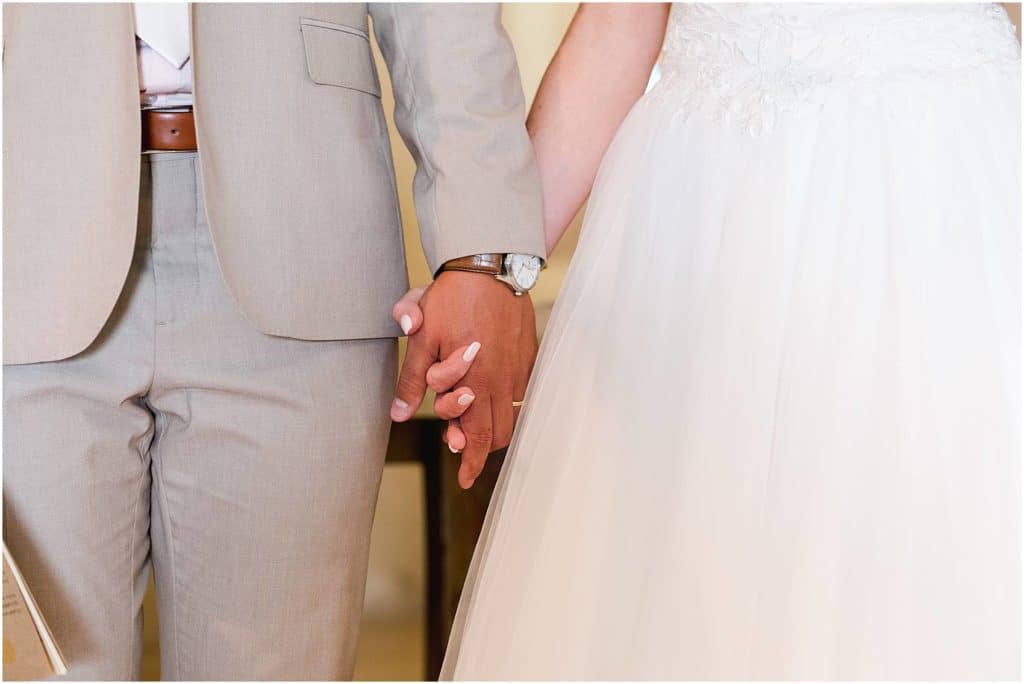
pixel 453 521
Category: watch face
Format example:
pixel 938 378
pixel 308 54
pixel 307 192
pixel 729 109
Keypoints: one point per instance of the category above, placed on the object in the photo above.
pixel 524 269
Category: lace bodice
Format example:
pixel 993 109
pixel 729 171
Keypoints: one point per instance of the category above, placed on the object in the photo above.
pixel 749 63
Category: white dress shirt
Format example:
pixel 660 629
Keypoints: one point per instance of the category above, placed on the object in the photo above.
pixel 165 67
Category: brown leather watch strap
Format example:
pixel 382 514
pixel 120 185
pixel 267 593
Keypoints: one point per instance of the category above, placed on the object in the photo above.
pixel 491 264
pixel 168 131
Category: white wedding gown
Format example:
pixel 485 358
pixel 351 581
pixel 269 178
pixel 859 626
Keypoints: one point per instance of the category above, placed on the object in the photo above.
pixel 773 432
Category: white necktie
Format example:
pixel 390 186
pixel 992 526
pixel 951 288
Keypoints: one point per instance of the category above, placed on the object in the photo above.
pixel 164 27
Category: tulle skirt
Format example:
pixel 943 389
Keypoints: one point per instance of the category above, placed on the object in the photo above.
pixel 773 431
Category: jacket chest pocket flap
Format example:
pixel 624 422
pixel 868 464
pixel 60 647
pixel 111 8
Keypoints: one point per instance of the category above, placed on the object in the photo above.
pixel 339 55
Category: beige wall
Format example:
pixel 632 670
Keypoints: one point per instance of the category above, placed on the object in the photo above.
pixel 1013 9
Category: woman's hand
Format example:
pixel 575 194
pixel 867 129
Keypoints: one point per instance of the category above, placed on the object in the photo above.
pixel 444 375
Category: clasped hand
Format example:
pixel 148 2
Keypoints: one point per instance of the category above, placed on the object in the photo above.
pixel 473 342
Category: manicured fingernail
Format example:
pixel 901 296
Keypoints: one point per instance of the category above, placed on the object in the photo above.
pixel 406 322
pixel 400 405
pixel 452 449
pixel 466 399
pixel 470 352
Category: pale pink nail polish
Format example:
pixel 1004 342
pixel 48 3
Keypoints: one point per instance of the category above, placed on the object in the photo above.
pixel 470 352
pixel 399 404
pixel 406 322
pixel 466 399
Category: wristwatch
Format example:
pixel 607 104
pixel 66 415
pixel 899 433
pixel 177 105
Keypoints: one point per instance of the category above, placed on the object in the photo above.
pixel 518 271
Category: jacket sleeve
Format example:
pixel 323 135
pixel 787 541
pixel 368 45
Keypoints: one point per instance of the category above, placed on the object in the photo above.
pixel 459 108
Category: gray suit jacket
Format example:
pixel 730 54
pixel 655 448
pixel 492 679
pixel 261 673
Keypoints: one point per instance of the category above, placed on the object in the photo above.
pixel 296 162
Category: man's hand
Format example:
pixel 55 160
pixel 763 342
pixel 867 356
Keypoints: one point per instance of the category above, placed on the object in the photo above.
pixel 460 309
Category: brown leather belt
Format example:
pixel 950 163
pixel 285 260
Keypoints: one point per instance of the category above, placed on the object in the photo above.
pixel 168 131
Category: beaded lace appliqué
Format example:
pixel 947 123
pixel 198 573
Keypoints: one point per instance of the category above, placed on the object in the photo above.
pixel 750 64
